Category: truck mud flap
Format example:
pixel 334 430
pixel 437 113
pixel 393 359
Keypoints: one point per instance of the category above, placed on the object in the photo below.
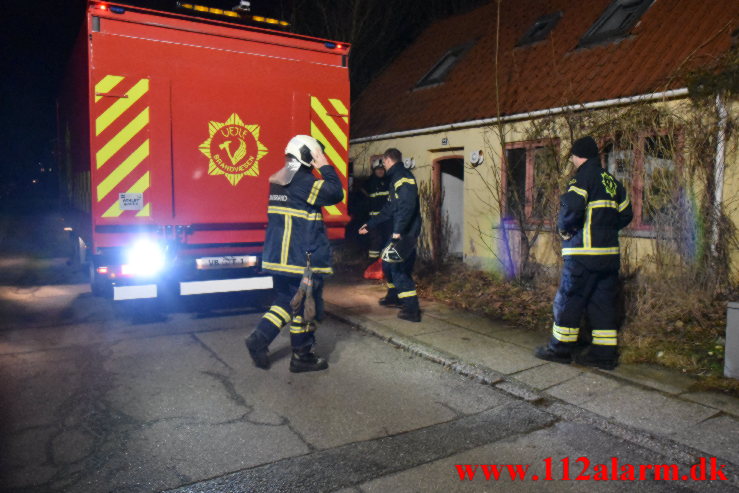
pixel 225 285
pixel 121 293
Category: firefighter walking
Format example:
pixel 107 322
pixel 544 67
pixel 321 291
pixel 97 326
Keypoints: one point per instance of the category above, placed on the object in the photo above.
pixel 297 253
pixel 402 211
pixel 376 189
pixel 593 210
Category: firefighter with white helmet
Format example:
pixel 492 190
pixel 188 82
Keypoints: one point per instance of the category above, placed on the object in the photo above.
pixel 297 252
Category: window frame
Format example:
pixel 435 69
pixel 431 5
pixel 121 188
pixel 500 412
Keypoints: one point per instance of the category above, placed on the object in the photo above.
pixel 638 171
pixel 550 21
pixel 458 52
pixel 594 36
pixel 530 147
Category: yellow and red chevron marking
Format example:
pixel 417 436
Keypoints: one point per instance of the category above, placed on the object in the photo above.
pixel 122 143
pixel 329 123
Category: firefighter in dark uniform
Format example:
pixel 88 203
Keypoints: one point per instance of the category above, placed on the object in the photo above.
pixel 402 211
pixel 592 212
pixel 376 188
pixel 295 235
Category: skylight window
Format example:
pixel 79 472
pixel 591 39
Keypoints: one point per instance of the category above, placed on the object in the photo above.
pixel 540 30
pixel 442 68
pixel 616 21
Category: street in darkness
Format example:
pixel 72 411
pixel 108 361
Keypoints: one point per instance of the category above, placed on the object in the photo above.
pixel 115 397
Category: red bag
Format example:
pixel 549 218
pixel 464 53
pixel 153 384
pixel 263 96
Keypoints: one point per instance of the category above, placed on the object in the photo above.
pixel 374 271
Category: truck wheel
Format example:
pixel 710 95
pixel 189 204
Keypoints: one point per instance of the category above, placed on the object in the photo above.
pixel 98 284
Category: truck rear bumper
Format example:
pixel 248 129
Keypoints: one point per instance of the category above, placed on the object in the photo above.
pixel 142 291
pixel 138 292
pixel 225 285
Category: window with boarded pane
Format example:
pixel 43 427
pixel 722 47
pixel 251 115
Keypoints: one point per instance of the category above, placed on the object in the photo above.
pixel 616 21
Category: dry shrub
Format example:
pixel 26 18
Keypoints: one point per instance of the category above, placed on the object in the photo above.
pixel 488 294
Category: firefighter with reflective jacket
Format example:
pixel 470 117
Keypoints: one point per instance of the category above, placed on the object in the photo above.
pixel 297 252
pixel 592 212
pixel 402 211
pixel 376 188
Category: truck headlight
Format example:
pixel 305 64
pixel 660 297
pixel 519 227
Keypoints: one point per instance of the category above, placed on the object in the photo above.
pixel 145 258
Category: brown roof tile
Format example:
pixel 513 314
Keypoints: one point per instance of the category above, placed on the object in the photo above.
pixel 672 35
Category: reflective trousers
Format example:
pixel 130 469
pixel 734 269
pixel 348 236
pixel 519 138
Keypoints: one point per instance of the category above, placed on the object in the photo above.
pixel 583 291
pixel 302 335
pixel 400 281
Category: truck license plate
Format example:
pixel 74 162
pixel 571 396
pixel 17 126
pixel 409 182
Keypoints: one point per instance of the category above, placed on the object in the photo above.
pixel 228 262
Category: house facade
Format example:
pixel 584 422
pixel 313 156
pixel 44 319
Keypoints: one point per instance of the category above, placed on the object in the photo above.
pixel 484 107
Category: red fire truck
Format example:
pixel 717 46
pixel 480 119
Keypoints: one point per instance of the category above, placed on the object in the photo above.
pixel 171 123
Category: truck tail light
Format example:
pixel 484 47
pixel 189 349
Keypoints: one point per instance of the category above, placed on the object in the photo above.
pixel 102 270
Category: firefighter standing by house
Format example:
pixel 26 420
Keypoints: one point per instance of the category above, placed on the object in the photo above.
pixel 295 239
pixel 403 213
pixel 592 212
pixel 376 189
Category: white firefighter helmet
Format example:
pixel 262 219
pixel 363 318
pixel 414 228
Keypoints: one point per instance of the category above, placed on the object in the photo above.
pixel 297 154
pixel 301 147
pixel 377 163
pixel 390 254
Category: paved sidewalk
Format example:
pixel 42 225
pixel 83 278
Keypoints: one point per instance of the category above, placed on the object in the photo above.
pixel 627 402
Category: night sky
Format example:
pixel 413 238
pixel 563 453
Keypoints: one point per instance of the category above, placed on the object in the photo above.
pixel 37 38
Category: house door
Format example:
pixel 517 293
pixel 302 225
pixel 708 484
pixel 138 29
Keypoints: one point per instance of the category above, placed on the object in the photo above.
pixel 451 180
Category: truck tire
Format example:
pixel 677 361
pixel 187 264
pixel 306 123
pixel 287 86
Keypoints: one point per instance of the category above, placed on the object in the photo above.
pixel 98 284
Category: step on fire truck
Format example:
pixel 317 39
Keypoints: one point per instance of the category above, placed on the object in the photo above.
pixel 171 123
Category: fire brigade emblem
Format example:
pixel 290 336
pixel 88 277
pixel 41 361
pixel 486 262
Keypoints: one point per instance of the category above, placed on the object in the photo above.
pixel 609 184
pixel 233 149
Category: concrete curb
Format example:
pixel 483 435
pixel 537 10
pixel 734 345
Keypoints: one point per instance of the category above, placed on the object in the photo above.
pixel 672 451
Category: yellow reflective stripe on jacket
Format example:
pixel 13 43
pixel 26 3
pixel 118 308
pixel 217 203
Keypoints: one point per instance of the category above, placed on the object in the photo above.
pixel 286 239
pixel 287 211
pixel 623 205
pixel 314 191
pixel 587 241
pixel 400 182
pixel 579 191
pixel 407 294
pixel 379 194
pixel 603 203
pixel 374 213
pixel 295 269
pixel 590 251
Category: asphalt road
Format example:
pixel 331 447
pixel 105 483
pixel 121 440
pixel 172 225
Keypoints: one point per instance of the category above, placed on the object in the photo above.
pixel 97 397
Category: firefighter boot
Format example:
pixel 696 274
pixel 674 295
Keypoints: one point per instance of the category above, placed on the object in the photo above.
pixel 605 360
pixel 410 310
pixel 257 347
pixel 391 299
pixel 306 360
pixel 550 354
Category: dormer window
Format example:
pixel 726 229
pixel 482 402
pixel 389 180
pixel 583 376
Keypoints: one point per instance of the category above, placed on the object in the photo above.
pixel 616 22
pixel 442 68
pixel 540 30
